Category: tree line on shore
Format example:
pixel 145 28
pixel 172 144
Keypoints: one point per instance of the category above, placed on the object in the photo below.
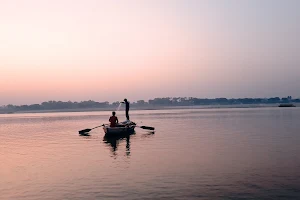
pixel 167 101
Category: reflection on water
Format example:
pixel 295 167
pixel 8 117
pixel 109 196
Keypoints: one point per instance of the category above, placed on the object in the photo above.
pixel 148 134
pixel 84 134
pixel 115 141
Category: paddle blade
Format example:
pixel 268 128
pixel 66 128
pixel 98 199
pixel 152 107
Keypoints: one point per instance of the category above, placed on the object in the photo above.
pixel 147 127
pixel 85 130
pixel 84 134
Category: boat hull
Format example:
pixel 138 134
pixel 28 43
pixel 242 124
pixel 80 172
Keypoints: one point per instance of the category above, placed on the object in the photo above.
pixel 123 129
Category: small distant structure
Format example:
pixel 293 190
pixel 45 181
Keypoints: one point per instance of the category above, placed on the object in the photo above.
pixel 286 102
pixel 286 105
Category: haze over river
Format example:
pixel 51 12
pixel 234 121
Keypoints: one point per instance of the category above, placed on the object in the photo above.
pixel 226 153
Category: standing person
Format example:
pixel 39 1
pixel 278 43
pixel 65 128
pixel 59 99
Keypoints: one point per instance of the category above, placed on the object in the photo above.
pixel 113 120
pixel 126 108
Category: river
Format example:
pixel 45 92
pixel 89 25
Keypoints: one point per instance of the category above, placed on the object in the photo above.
pixel 226 153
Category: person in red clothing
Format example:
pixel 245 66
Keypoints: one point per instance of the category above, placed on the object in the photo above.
pixel 113 120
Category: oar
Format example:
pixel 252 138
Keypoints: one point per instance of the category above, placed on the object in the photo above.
pixel 146 127
pixel 89 129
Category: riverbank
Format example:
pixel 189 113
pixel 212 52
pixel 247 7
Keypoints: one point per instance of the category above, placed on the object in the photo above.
pixel 149 108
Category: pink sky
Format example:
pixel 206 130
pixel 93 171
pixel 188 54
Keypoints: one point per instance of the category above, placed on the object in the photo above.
pixel 108 50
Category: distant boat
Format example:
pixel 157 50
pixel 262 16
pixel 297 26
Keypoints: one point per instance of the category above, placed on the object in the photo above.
pixel 286 105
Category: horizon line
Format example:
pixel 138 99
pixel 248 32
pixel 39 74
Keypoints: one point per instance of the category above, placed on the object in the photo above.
pixel 291 98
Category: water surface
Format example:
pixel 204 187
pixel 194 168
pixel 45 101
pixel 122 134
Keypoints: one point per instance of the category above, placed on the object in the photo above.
pixel 193 154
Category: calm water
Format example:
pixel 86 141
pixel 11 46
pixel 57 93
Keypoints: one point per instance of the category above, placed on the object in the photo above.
pixel 194 154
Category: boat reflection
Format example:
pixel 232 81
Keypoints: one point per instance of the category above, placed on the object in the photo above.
pixel 115 141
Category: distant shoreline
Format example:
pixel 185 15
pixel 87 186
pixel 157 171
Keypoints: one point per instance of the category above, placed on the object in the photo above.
pixel 151 108
pixel 152 104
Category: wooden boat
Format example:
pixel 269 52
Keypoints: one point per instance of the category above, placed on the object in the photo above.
pixel 123 128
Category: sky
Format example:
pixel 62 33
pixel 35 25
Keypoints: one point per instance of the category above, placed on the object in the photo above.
pixel 136 49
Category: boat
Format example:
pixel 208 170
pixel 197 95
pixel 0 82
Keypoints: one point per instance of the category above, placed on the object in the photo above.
pixel 123 128
pixel 286 105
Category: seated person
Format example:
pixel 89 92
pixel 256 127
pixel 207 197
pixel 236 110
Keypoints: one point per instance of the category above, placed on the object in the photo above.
pixel 113 120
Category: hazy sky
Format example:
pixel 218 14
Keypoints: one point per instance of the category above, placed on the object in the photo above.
pixel 107 50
